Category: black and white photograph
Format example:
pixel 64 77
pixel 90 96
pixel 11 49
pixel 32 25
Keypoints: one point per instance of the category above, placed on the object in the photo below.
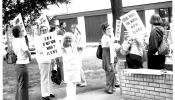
pixel 87 50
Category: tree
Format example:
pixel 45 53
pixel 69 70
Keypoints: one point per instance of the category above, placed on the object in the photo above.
pixel 117 11
pixel 28 8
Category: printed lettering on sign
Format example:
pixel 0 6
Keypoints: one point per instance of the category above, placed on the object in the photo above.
pixel 42 20
pixel 18 21
pixel 118 29
pixel 133 23
pixel 51 46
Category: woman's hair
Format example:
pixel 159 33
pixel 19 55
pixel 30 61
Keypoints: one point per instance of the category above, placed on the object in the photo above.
pixel 156 20
pixel 16 31
pixel 104 26
pixel 62 23
pixel 52 28
pixel 73 26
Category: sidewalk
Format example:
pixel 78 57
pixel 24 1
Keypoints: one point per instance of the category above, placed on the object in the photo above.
pixel 99 95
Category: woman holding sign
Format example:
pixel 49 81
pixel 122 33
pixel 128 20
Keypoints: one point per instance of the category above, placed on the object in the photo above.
pixel 106 59
pixel 71 65
pixel 44 67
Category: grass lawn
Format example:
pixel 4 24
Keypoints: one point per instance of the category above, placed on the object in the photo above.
pixel 92 66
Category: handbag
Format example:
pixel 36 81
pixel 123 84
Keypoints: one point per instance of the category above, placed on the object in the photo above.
pixel 11 58
pixel 99 52
pixel 56 76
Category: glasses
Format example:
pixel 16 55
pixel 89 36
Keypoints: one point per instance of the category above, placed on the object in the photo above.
pixel 44 30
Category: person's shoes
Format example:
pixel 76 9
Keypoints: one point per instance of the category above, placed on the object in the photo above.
pixel 46 98
pixel 51 95
pixel 82 85
pixel 117 85
pixel 109 91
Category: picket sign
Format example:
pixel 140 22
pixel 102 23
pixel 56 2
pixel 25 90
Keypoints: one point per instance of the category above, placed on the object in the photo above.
pixel 71 68
pixel 50 45
pixel 77 36
pixel 18 21
pixel 118 30
pixel 42 20
pixel 133 24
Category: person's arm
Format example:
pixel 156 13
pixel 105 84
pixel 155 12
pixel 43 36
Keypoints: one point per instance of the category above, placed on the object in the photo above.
pixel 153 43
pixel 29 55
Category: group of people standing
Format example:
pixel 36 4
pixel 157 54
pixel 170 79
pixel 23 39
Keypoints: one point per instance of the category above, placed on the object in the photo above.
pixel 134 56
pixel 45 65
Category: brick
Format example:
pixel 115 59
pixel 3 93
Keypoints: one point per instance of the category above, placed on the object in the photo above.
pixel 153 84
pixel 167 77
pixel 171 77
pixel 154 93
pixel 168 82
pixel 126 96
pixel 123 85
pixel 144 79
pixel 143 83
pixel 165 86
pixel 171 87
pixel 169 98
pixel 149 96
pixel 160 81
pixel 129 85
pixel 160 89
pixel 135 90
pixel 139 86
pixel 149 88
pixel 154 76
pixel 166 95
pixel 126 81
pixel 144 91
pixel 134 82
pixel 130 93
pixel 150 80
pixel 140 94
pixel 124 92
pixel 125 88
pixel 160 77
pixel 159 98
pixel 169 91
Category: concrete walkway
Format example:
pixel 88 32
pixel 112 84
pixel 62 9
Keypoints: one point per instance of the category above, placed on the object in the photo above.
pixel 99 94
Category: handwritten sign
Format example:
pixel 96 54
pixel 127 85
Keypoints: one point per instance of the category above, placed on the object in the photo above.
pixel 51 47
pixel 42 20
pixel 118 29
pixel 77 37
pixel 133 23
pixel 18 21
pixel 71 68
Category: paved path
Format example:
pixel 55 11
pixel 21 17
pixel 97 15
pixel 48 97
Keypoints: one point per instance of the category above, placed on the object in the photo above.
pixel 99 95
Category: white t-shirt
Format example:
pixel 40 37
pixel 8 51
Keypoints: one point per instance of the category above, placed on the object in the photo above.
pixel 105 41
pixel 19 47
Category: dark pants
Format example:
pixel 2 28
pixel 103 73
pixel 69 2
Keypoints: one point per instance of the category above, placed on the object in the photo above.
pixel 156 62
pixel 109 69
pixel 22 82
pixel 134 61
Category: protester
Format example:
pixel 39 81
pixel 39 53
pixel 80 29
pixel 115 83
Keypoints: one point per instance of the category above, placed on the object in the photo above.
pixel 155 61
pixel 106 60
pixel 23 57
pixel 62 30
pixel 44 66
pixel 70 53
pixel 80 48
pixel 134 57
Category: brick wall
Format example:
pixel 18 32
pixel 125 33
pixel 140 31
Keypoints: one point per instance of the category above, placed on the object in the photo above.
pixel 138 86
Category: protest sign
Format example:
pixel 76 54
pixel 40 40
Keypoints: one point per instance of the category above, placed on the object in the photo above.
pixel 51 47
pixel 71 68
pixel 118 29
pixel 77 36
pixel 42 20
pixel 18 21
pixel 133 23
